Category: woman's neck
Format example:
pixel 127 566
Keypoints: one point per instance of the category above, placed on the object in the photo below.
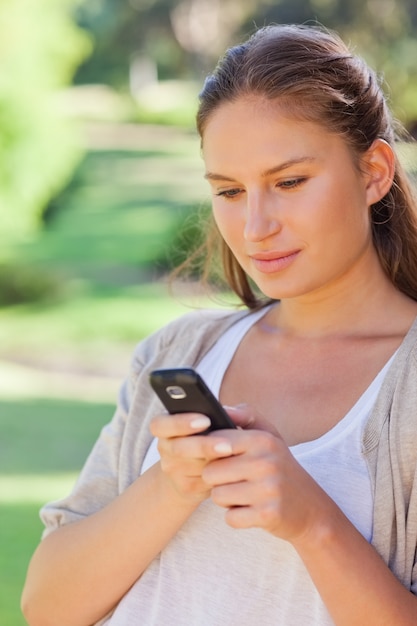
pixel 371 308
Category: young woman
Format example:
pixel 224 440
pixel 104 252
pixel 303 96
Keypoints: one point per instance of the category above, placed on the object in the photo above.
pixel 307 513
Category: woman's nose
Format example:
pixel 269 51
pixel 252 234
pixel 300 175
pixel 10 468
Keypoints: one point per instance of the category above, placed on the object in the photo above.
pixel 261 220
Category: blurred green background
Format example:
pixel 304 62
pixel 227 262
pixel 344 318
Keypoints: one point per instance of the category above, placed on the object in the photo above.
pixel 101 193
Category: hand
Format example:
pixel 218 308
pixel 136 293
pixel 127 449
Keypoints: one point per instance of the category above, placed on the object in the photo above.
pixel 261 484
pixel 183 458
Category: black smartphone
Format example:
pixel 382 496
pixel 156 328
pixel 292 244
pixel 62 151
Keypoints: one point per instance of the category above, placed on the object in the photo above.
pixel 182 390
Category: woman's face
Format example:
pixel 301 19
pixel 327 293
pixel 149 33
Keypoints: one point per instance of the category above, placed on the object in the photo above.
pixel 287 198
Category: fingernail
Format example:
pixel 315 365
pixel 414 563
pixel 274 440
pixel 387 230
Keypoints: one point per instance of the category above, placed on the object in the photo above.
pixel 200 422
pixel 223 447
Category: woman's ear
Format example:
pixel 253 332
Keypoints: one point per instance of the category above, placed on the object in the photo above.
pixel 379 165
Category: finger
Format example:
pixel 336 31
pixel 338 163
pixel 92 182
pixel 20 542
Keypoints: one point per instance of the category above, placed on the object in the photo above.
pixel 249 505
pixel 244 491
pixel 243 517
pixel 242 415
pixel 239 517
pixel 245 416
pixel 186 479
pixel 230 495
pixel 197 447
pixel 233 443
pixel 179 425
pixel 237 469
pixel 174 461
pixel 219 445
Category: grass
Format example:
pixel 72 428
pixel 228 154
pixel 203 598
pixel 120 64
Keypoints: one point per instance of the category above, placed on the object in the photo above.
pixel 120 212
pixel 91 332
pixel 43 446
pixel 102 239
pixel 48 435
pixel 20 534
pixel 106 242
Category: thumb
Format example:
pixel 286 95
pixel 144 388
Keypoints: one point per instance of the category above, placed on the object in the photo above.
pixel 245 416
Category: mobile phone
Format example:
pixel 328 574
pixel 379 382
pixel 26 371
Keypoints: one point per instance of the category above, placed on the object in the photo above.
pixel 182 390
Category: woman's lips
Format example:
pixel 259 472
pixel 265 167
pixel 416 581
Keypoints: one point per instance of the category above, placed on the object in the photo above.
pixel 270 262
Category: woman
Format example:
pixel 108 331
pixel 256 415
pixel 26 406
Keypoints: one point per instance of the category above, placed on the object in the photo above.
pixel 307 513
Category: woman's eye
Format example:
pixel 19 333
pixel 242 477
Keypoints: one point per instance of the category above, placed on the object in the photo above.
pixel 291 183
pixel 229 193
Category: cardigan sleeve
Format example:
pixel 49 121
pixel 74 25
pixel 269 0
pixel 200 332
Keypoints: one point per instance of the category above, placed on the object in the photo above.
pixel 97 483
pixel 391 448
pixel 116 458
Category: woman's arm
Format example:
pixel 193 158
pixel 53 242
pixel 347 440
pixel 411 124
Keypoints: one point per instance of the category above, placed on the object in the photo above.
pixel 82 570
pixel 261 485
pixel 352 579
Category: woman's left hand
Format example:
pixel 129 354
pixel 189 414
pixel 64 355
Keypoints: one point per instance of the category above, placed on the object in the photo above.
pixel 261 484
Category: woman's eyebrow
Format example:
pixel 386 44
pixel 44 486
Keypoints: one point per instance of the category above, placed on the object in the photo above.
pixel 287 164
pixel 273 170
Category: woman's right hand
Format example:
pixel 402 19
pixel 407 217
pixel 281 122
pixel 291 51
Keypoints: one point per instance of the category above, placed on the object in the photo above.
pixel 104 550
pixel 183 458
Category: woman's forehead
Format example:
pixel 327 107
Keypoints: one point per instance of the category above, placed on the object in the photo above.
pixel 252 110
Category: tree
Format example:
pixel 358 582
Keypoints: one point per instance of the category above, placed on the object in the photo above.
pixel 185 37
pixel 40 47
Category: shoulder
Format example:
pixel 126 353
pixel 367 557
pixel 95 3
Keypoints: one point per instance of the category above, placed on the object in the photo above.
pixel 405 366
pixel 390 435
pixel 191 334
pixel 391 449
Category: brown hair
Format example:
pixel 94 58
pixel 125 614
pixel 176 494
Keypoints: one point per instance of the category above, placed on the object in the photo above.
pixel 317 78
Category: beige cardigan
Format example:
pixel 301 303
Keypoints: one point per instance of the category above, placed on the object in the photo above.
pixel 389 442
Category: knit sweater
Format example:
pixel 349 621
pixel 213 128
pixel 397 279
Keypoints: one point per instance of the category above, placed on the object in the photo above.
pixel 389 440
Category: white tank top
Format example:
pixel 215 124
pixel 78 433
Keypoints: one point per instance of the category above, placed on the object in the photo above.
pixel 212 575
